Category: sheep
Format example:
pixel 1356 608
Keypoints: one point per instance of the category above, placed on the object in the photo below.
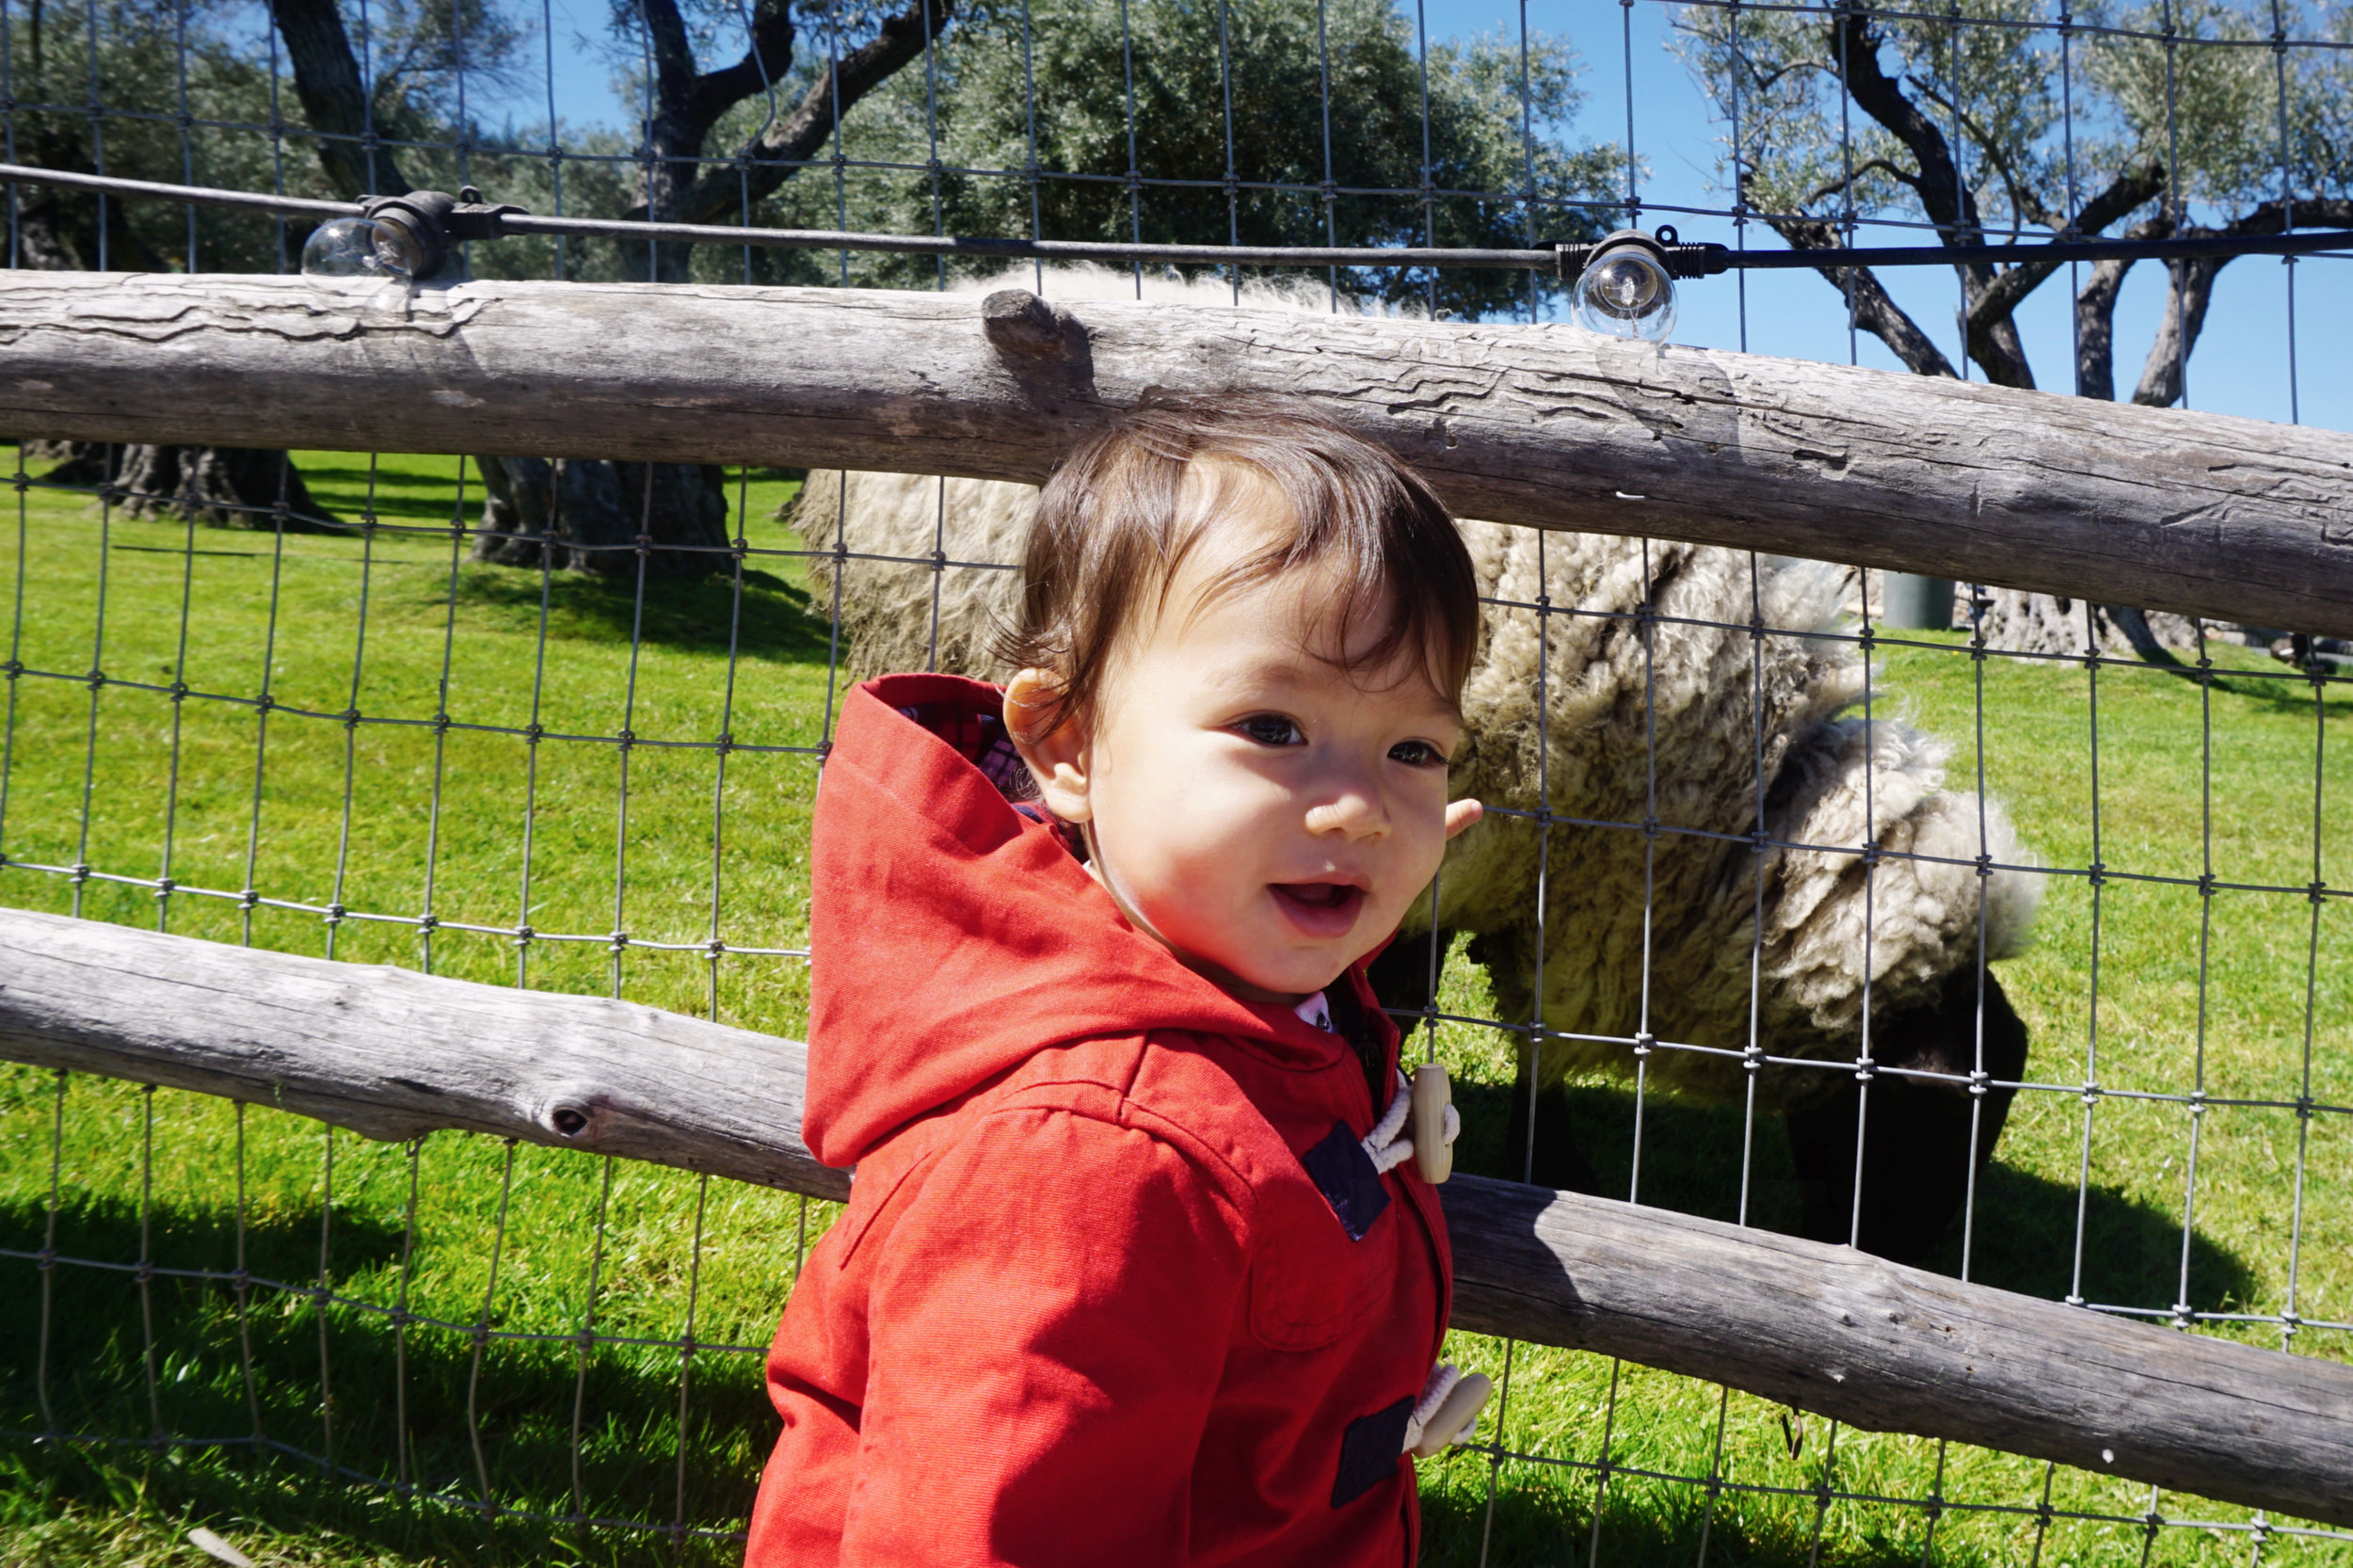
pixel 1766 782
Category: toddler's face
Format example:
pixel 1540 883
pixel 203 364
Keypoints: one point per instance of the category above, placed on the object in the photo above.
pixel 1261 811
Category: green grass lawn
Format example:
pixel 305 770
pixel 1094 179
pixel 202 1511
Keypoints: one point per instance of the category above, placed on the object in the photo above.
pixel 450 1361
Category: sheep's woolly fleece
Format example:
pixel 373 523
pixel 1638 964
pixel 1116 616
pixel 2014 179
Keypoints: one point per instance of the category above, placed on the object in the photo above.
pixel 1619 932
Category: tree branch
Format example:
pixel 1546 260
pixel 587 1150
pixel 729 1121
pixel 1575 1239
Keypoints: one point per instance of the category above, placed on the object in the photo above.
pixel 1943 195
pixel 787 143
pixel 2192 288
pixel 2095 315
pixel 673 73
pixel 2128 190
pixel 1864 168
pixel 2022 202
pixel 335 101
pixel 767 57
pixel 1875 311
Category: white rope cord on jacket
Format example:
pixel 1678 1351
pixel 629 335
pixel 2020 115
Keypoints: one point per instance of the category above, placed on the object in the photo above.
pixel 1386 1146
pixel 1448 1410
pixel 1450 1404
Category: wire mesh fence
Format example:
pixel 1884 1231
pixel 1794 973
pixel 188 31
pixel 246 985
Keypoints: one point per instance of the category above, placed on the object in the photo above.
pixel 561 726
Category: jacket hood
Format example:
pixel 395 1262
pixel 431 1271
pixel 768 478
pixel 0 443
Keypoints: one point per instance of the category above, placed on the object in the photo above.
pixel 954 933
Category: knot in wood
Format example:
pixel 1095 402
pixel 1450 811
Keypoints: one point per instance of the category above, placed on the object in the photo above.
pixel 569 1109
pixel 1019 321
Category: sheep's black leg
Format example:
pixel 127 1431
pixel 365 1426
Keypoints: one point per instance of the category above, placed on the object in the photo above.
pixel 1560 1164
pixel 1915 1156
pixel 1401 975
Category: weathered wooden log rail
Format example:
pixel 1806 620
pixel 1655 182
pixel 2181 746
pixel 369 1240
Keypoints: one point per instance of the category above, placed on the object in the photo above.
pixel 1542 425
pixel 393 1053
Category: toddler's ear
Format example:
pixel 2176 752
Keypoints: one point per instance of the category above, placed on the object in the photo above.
pixel 1056 753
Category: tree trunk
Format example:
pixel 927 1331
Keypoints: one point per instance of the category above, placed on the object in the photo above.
pixel 225 486
pixel 62 230
pixel 581 515
pixel 2046 623
pixel 326 81
pixel 68 462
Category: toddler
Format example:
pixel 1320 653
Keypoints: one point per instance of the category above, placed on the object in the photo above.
pixel 1138 1268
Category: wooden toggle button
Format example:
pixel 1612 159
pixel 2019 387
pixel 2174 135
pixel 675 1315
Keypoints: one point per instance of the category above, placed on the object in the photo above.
pixel 1434 1157
pixel 1456 1415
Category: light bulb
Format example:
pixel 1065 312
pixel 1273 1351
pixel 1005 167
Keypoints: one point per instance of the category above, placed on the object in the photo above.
pixel 360 247
pixel 1626 294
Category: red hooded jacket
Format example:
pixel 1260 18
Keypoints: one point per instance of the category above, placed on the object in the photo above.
pixel 1111 1289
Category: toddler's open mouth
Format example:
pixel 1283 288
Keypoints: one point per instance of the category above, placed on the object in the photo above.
pixel 1319 908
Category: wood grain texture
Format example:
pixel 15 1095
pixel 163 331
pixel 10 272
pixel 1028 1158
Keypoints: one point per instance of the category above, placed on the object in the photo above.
pixel 1892 1349
pixel 392 1054
pixel 1542 425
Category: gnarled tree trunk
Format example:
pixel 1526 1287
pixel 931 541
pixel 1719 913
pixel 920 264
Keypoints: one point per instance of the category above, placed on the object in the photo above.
pixel 2046 623
pixel 223 487
pixel 579 515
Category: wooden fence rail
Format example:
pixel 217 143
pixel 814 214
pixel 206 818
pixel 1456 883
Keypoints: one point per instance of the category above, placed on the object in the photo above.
pixel 1544 426
pixel 392 1053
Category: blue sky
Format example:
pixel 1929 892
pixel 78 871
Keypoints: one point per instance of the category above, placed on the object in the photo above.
pixel 2241 366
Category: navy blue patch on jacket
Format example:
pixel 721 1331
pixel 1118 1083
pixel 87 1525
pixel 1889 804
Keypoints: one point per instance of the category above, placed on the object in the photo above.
pixel 1369 1451
pixel 1343 1172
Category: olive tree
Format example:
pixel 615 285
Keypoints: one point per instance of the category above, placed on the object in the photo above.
pixel 1266 122
pixel 2001 124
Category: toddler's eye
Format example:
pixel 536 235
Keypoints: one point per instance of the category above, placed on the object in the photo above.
pixel 1417 754
pixel 1271 729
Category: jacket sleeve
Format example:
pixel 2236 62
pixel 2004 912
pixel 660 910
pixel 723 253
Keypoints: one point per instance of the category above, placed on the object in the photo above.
pixel 1045 1338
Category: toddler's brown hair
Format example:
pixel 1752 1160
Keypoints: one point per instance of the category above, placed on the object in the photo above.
pixel 1111 533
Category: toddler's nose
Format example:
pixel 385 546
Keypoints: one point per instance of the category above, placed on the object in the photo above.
pixel 1352 813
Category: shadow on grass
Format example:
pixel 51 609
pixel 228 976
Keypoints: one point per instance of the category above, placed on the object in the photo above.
pixel 518 1422
pixel 1547 1518
pixel 774 622
pixel 2024 1237
pixel 393 493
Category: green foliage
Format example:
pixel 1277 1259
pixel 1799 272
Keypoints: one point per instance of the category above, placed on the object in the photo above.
pixel 2244 117
pixel 154 62
pixel 1784 71
pixel 1273 60
pixel 1996 78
